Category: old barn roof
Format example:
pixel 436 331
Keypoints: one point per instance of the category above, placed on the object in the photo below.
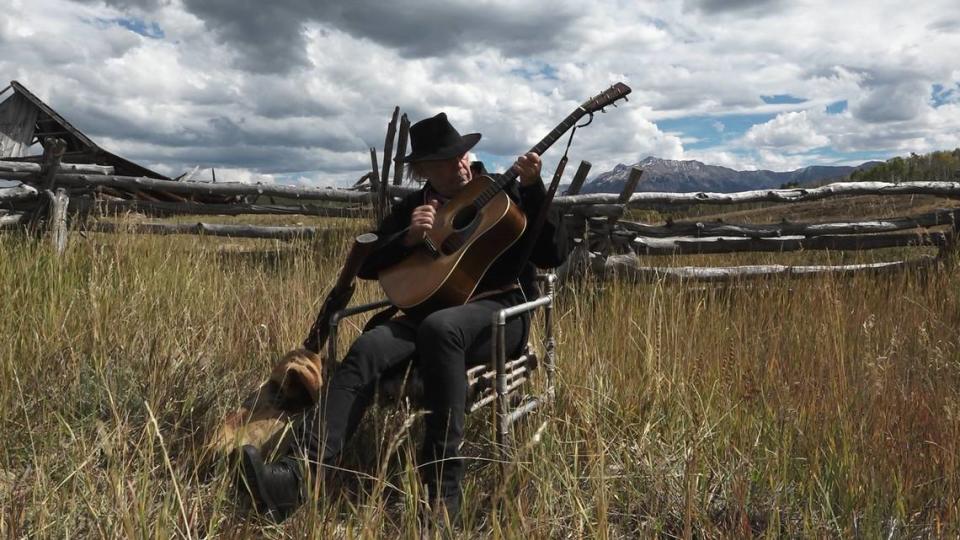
pixel 25 120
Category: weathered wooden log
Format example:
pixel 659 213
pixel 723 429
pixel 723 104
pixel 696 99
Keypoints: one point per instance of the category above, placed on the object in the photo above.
pixel 601 230
pixel 213 229
pixel 34 168
pixel 57 226
pixel 236 209
pixel 375 185
pixel 629 267
pixel 628 189
pixel 12 219
pixel 638 200
pixel 146 197
pixel 387 156
pixel 206 188
pixel 633 180
pixel 576 227
pixel 596 210
pixel 579 178
pixel 53 151
pixel 944 189
pixel 577 263
pixel 401 149
pixel 690 245
pixel 102 192
pixel 953 237
pixel 374 170
pixel 363 179
pixel 22 192
pixel 717 228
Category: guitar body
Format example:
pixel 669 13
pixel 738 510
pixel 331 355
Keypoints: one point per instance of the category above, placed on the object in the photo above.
pixel 466 239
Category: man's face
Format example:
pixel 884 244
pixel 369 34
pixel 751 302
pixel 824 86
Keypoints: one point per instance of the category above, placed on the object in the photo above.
pixel 448 176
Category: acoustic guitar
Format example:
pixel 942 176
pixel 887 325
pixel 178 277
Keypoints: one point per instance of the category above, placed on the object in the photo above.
pixel 470 231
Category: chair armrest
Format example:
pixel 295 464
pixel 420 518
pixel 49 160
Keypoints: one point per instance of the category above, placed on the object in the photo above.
pixel 500 317
pixel 548 279
pixel 343 314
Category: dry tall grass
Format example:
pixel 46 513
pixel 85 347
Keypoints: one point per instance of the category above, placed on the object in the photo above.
pixel 822 407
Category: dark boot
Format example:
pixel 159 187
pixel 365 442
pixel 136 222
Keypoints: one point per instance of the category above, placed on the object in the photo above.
pixel 442 481
pixel 442 516
pixel 276 488
pixel 449 503
pixel 441 470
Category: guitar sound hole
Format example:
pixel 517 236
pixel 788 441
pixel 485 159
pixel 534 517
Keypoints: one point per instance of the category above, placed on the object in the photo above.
pixel 464 218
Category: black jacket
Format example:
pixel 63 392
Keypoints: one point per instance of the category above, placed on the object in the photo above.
pixel 549 250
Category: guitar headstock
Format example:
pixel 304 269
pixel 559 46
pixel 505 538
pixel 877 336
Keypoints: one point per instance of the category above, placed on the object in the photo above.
pixel 607 97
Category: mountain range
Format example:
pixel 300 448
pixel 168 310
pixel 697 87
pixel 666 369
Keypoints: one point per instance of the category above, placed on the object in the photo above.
pixel 689 175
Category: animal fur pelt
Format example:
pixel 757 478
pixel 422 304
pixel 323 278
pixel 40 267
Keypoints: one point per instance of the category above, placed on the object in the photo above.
pixel 264 418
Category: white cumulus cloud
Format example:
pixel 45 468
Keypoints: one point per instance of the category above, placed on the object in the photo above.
pixel 300 90
pixel 791 132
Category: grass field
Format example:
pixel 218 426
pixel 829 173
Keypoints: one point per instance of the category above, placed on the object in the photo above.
pixel 818 407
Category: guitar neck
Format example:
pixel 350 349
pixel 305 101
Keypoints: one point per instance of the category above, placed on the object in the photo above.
pixel 544 144
pixel 596 103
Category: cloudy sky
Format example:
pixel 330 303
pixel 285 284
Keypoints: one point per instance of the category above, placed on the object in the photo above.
pixel 298 90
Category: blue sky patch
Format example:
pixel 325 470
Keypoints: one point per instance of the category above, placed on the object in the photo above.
pixel 712 130
pixel 151 30
pixel 494 163
pixel 837 107
pixel 657 23
pixel 536 71
pixel 782 99
pixel 941 95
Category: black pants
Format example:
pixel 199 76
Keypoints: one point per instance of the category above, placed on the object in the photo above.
pixel 444 344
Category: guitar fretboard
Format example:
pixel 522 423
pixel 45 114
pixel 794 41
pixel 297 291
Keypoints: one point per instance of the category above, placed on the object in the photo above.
pixel 504 180
pixel 611 95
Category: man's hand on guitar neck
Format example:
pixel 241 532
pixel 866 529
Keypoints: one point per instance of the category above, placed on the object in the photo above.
pixel 528 168
pixel 421 221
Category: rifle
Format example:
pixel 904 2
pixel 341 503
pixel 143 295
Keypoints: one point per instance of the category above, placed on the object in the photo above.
pixel 341 293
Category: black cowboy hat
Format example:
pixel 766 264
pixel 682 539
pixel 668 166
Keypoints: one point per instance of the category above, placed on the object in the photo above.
pixel 434 139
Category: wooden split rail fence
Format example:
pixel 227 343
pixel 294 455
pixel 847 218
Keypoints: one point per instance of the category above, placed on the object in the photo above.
pixel 53 193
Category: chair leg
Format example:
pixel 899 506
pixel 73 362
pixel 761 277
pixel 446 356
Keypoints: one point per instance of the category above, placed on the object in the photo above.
pixel 550 348
pixel 503 399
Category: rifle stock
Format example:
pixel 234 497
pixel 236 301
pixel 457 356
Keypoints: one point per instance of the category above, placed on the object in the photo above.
pixel 341 293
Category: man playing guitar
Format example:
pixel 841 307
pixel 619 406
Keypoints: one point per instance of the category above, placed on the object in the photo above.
pixel 444 343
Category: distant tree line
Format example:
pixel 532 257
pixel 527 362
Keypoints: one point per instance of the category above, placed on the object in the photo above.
pixel 941 166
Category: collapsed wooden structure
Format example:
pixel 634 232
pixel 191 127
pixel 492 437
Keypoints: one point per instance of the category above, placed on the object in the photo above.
pixel 25 121
pixel 53 191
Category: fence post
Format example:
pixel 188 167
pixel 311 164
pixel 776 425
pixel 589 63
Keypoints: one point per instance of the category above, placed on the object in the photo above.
pixel 57 226
pixel 577 224
pixel 579 178
pixel 953 237
pixel 375 185
pixel 51 220
pixel 628 189
pixel 53 152
pixel 401 149
pixel 602 229
pixel 387 152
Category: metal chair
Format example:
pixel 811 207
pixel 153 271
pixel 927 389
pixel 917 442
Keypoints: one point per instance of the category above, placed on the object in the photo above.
pixel 500 381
